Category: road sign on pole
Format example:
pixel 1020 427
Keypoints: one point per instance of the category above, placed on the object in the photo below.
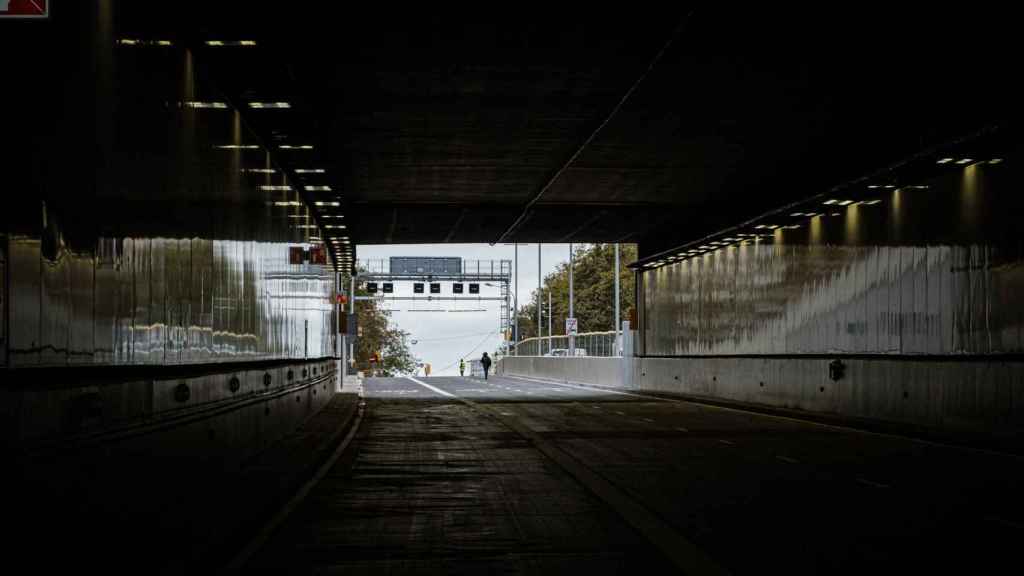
pixel 570 326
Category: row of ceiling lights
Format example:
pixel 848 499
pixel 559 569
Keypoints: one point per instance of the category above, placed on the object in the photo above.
pixel 742 239
pixel 341 245
pixel 211 43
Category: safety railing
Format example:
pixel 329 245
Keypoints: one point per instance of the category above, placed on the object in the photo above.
pixel 586 344
pixel 476 369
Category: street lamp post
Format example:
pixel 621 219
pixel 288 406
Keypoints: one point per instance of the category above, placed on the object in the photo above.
pixel 515 304
pixel 539 331
pixel 618 322
pixel 572 337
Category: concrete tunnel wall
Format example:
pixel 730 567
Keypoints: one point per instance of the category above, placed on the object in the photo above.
pixel 914 286
pixel 944 396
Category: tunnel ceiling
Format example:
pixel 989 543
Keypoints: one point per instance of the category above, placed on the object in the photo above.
pixel 657 126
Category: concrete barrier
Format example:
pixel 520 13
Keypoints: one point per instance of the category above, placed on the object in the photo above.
pixel 954 396
pixel 587 370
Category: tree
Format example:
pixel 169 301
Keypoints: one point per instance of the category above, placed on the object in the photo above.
pixel 593 291
pixel 378 336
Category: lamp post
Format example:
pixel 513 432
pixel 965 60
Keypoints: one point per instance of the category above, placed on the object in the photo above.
pixel 572 338
pixel 618 321
pixel 539 331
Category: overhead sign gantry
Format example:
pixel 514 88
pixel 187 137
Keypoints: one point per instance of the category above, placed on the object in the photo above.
pixel 430 275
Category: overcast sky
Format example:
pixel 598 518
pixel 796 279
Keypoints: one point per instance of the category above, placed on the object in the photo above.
pixel 444 336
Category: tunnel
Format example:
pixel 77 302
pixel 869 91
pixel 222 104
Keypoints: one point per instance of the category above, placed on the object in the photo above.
pixel 819 368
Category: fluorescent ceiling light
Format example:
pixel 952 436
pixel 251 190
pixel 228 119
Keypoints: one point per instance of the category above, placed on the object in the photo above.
pixel 261 105
pixel 309 170
pixel 296 146
pixel 846 202
pixel 259 170
pixel 945 161
pixel 139 42
pixel 327 203
pixel 832 201
pixel 964 161
pixel 318 188
pixel 995 161
pixel 198 105
pixel 237 147
pixel 274 187
pixel 871 202
pixel 230 42
pixel 287 203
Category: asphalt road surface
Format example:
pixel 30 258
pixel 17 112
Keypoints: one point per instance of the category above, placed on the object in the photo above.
pixel 515 476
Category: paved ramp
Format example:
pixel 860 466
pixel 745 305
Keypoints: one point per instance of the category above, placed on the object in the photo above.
pixel 512 476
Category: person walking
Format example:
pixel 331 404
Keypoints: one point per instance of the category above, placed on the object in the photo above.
pixel 485 361
pixel 462 367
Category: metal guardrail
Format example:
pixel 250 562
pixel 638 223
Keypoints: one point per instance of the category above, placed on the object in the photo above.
pixel 476 369
pixel 587 344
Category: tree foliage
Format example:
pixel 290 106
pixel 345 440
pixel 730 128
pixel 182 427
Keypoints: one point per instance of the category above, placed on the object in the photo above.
pixel 593 291
pixel 378 335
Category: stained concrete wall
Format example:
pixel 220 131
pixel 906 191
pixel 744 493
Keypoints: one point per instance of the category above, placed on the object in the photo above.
pixel 950 396
pixel 222 413
pixel 954 396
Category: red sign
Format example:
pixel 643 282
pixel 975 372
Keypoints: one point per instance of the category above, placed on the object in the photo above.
pixel 24 9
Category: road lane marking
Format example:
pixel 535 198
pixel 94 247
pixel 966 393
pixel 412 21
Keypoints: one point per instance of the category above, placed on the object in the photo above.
pixel 591 389
pixel 788 459
pixel 681 551
pixel 432 388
